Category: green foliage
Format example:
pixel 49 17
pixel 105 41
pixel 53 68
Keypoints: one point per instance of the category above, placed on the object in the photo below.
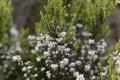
pixel 53 19
pixel 118 46
pixel 5 17
pixel 95 15
pixel 112 73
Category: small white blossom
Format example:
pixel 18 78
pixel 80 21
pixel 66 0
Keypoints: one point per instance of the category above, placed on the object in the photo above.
pixel 38 59
pixel 72 69
pixel 62 34
pixel 64 62
pixel 83 51
pixel 59 39
pixel 104 73
pixel 72 64
pixel 80 77
pixel 14 32
pixel 29 67
pixel 69 5
pixel 75 74
pixel 61 48
pixel 36 48
pixel 87 67
pixel 86 34
pixel 78 63
pixel 27 79
pixel 51 44
pixel 91 41
pixel 25 75
pixel 27 63
pixel 48 74
pixel 46 53
pixel 24 69
pixel 35 75
pixel 33 51
pixel 93 77
pixel 79 25
pixel 95 57
pixel 118 62
pixel 91 52
pixel 16 58
pixel 118 70
pixel 31 37
pixel 67 49
pixel 43 68
pixel 54 66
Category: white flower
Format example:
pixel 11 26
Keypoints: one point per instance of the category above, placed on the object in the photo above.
pixel 95 57
pixel 78 63
pixel 54 66
pixel 79 25
pixel 24 69
pixel 46 53
pixel 25 75
pixel 69 5
pixel 51 44
pixel 72 64
pixel 104 44
pixel 31 37
pixel 18 48
pixel 28 62
pixel 61 48
pixel 59 39
pixel 35 75
pixel 33 51
pixel 67 49
pixel 14 32
pixel 83 51
pixel 36 48
pixel 72 69
pixel 16 58
pixel 91 52
pixel 29 67
pixel 27 79
pixel 75 74
pixel 93 77
pixel 104 73
pixel 118 70
pixel 86 34
pixel 91 41
pixel 43 68
pixel 62 34
pixel 38 59
pixel 48 74
pixel 87 67
pixel 64 62
pixel 118 62
pixel 80 77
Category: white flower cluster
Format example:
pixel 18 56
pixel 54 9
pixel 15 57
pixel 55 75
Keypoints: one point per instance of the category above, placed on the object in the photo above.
pixel 52 57
pixel 31 39
pixel 56 55
pixel 26 67
pixel 117 60
pixel 6 53
pixel 16 58
pixel 91 51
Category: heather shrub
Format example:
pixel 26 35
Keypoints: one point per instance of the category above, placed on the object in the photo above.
pixel 69 45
